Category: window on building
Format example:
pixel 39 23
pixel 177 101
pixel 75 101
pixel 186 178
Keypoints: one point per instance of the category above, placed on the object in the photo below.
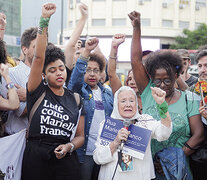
pixel 201 3
pixel 184 2
pixel 167 23
pixel 145 22
pixel 183 24
pixel 197 25
pixel 98 22
pixel 165 46
pixel 119 22
pixel 71 4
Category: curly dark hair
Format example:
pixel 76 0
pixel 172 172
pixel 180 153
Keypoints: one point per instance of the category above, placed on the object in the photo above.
pixel 167 60
pixel 52 54
pixel 95 57
pixel 28 36
pixel 3 53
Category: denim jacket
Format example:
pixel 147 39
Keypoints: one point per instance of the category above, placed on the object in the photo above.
pixel 174 165
pixel 78 85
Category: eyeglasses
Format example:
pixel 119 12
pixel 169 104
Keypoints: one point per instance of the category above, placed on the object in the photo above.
pixel 95 71
pixel 158 82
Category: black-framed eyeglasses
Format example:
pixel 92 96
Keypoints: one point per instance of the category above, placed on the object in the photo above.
pixel 95 71
pixel 158 82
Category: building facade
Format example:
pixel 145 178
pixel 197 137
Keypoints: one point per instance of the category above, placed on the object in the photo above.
pixel 161 20
pixel 12 10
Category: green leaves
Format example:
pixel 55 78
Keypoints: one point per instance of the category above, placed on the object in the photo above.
pixel 191 39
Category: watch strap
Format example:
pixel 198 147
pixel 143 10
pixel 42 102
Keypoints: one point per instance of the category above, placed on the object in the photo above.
pixel 72 147
pixel 10 85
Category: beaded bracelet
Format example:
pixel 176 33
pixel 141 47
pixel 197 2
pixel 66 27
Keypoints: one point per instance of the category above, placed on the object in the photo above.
pixel 40 30
pixel 162 108
pixel 113 57
pixel 84 58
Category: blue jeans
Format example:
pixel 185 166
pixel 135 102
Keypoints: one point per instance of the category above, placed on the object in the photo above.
pixel 89 169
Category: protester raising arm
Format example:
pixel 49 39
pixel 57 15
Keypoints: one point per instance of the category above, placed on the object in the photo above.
pixel 49 92
pixel 113 77
pixel 77 78
pixel 139 71
pixel 37 66
pixel 71 46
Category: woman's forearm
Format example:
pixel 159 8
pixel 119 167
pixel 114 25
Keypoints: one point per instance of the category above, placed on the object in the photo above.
pixel 166 121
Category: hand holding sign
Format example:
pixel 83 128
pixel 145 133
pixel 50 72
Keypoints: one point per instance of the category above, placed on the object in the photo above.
pixel 122 135
pixel 137 138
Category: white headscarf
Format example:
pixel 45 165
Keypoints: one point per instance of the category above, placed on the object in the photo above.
pixel 115 113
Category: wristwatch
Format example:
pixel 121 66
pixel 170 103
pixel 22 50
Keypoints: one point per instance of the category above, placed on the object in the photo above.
pixel 72 147
pixel 10 85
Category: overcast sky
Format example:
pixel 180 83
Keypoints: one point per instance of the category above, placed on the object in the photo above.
pixel 31 12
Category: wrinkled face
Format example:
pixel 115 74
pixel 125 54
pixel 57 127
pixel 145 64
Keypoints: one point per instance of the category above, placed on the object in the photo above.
pixel 102 77
pixel 163 81
pixel 92 74
pixel 56 74
pixel 131 82
pixel 202 68
pixel 29 52
pixel 127 104
pixel 186 63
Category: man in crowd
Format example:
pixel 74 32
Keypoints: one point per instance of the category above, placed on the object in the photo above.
pixel 17 120
pixel 199 169
pixel 188 78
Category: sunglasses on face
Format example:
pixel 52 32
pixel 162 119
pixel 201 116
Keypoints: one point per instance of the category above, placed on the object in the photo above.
pixel 158 82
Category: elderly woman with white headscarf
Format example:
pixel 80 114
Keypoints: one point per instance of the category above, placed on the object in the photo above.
pixel 126 107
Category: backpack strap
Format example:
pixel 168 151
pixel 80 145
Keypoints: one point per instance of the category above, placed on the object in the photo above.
pixel 186 102
pixel 34 108
pixel 77 98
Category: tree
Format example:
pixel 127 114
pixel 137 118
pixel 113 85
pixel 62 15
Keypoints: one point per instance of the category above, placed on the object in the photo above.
pixel 191 39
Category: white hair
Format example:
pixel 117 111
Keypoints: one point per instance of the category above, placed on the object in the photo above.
pixel 115 113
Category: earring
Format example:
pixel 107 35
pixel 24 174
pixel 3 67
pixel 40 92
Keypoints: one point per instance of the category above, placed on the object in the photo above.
pixel 45 82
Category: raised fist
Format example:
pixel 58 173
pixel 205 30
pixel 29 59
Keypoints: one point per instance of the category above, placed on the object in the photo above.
pixel 135 19
pixel 118 39
pixel 84 10
pixel 48 10
pixel 158 95
pixel 91 43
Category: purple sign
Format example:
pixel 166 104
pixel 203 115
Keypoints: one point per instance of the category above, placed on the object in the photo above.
pixel 137 141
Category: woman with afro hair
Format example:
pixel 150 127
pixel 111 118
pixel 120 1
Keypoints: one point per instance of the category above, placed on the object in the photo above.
pixel 162 70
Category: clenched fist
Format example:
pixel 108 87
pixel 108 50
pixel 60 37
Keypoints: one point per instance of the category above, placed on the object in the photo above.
pixel 158 95
pixel 117 40
pixel 135 19
pixel 48 10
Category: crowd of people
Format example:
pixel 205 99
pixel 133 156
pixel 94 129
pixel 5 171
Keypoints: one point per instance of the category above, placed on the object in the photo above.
pixel 80 128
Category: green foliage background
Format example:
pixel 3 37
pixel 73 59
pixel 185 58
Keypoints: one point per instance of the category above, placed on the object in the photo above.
pixel 191 39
